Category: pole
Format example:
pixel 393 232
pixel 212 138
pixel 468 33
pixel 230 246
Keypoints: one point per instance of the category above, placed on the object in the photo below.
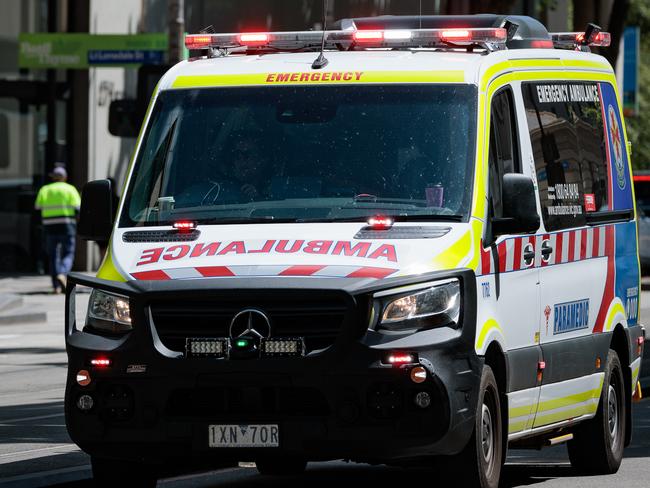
pixel 176 30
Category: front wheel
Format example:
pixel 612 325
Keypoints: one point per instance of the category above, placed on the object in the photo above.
pixel 597 445
pixel 479 464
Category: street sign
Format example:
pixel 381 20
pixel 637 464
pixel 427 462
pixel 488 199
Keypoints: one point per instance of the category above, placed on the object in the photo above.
pixel 82 51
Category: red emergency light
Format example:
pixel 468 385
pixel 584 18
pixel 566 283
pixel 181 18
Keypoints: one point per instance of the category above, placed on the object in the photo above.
pixel 603 39
pixel 368 35
pixel 100 362
pixel 400 358
pixel 254 39
pixel 198 41
pixel 380 222
pixel 184 226
pixel 456 35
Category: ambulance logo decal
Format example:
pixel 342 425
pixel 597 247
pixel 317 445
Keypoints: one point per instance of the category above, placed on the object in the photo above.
pixel 617 145
pixel 547 314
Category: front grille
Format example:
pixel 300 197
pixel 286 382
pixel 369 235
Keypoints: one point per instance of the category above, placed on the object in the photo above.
pixel 250 401
pixel 318 322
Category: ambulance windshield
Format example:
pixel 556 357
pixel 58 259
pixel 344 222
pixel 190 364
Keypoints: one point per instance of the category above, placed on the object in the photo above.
pixel 305 153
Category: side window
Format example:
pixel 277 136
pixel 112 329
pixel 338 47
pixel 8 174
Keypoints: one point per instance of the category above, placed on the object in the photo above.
pixel 567 136
pixel 504 147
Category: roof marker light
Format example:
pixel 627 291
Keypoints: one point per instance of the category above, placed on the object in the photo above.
pixel 254 39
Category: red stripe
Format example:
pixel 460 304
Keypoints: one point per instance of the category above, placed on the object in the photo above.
pixel 212 271
pixel 583 244
pixel 371 272
pixel 572 246
pixel 559 237
pixel 486 260
pixel 517 262
pixel 301 270
pixel 608 293
pixel 502 257
pixel 594 247
pixel 156 274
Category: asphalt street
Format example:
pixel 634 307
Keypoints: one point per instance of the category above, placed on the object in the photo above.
pixel 36 451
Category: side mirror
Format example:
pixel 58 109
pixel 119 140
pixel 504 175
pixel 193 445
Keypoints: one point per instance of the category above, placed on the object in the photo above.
pixel 519 206
pixel 96 214
pixel 123 120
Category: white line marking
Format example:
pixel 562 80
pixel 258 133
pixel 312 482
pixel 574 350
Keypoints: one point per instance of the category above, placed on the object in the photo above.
pixel 37 417
pixel 67 447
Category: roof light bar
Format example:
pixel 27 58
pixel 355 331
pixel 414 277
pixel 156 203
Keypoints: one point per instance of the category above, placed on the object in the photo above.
pixel 490 38
pixel 574 40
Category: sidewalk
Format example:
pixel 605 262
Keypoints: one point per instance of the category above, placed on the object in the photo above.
pixel 24 299
pixel 29 299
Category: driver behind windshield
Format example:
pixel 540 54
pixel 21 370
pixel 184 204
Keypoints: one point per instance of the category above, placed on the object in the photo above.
pixel 240 177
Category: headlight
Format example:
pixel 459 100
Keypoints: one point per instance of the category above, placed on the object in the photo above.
pixel 432 306
pixel 108 312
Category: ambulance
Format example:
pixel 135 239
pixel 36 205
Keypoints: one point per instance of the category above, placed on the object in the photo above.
pixel 404 240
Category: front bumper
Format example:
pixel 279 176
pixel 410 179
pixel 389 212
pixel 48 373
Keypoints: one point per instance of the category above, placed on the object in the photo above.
pixel 342 402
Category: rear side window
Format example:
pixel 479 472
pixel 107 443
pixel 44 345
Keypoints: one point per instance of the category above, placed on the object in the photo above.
pixel 567 135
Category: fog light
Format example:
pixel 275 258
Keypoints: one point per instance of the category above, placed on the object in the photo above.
pixel 418 374
pixel 400 358
pixel 85 403
pixel 83 378
pixel 423 399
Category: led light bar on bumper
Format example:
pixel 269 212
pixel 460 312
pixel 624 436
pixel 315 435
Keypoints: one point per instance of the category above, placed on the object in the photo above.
pixel 418 307
pixel 206 347
pixel 108 312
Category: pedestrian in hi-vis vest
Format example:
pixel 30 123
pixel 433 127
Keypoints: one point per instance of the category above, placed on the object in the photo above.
pixel 59 204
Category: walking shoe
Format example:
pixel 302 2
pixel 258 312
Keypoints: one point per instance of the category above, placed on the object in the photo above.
pixel 61 278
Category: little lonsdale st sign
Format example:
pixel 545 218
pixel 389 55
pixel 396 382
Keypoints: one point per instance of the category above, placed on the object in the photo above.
pixel 81 51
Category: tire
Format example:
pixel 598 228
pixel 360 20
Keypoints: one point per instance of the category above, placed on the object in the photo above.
pixel 479 464
pixel 597 445
pixel 111 472
pixel 281 466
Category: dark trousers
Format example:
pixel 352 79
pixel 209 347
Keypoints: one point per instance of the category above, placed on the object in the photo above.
pixel 60 250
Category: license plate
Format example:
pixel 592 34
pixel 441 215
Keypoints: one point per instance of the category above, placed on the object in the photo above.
pixel 244 435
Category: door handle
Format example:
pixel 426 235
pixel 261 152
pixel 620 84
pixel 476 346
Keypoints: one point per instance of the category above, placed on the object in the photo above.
pixel 529 254
pixel 547 250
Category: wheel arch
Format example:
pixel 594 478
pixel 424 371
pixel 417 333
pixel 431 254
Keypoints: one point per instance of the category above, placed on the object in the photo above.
pixel 621 344
pixel 497 360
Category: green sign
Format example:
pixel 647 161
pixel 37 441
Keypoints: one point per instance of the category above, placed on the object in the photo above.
pixel 81 51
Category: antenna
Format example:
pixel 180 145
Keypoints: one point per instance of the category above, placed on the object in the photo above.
pixel 321 61
pixel 420 14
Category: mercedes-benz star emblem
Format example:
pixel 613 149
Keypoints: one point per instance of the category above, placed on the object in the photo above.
pixel 250 322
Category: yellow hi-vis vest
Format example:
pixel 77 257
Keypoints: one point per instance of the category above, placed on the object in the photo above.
pixel 58 203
